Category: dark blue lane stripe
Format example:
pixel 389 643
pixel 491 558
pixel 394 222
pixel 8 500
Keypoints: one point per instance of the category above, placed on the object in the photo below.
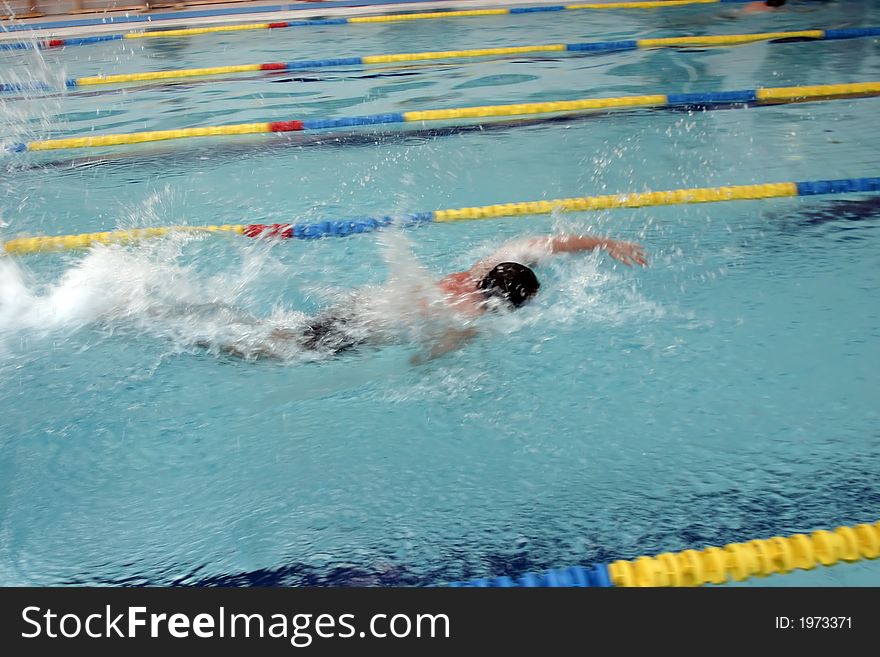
pixel 16 45
pixel 8 87
pixel 346 122
pixel 852 33
pixel 317 21
pixel 713 97
pixel 596 46
pixel 535 10
pixel 318 63
pixel 843 186
pixel 575 576
pixel 81 41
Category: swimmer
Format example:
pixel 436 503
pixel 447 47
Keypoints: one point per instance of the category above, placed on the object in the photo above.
pixel 502 281
pixel 506 279
pixel 767 5
pixel 506 275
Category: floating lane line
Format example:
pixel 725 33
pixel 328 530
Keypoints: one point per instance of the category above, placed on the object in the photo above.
pixel 595 46
pixel 345 227
pixel 711 565
pixel 743 98
pixel 356 20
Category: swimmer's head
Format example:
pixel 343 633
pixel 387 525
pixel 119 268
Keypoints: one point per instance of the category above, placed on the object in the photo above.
pixel 775 3
pixel 510 281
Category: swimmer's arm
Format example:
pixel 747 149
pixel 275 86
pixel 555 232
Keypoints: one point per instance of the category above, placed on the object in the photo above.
pixel 451 340
pixel 532 250
pixel 626 252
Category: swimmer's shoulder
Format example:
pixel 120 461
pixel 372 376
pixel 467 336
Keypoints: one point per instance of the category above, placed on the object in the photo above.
pixel 459 282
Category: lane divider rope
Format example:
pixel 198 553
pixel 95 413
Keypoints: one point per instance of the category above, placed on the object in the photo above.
pixel 713 565
pixel 595 46
pixel 355 20
pixel 743 98
pixel 342 228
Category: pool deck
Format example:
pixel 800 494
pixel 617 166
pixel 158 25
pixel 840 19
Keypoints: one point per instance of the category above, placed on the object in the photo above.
pixel 62 25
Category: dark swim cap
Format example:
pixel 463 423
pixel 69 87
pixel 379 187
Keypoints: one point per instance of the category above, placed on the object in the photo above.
pixel 775 3
pixel 510 281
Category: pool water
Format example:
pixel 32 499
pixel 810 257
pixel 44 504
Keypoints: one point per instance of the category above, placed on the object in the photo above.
pixel 726 392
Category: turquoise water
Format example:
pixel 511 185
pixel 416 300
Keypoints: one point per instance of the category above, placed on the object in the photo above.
pixel 725 393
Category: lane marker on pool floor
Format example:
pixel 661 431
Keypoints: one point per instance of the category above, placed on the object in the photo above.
pixel 345 227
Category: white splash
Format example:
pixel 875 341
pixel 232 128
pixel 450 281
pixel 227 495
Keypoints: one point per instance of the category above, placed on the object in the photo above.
pixel 156 288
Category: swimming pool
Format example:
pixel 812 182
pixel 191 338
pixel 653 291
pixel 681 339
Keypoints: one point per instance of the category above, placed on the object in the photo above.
pixel 725 393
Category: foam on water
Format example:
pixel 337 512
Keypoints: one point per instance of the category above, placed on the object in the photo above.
pixel 157 288
pixel 166 293
pixel 27 114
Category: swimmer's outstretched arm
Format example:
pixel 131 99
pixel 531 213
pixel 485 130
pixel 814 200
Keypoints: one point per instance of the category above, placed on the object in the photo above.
pixel 532 250
pixel 626 252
